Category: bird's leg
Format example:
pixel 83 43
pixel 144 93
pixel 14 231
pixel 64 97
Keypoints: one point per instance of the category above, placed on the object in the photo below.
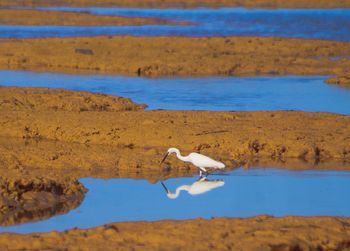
pixel 203 171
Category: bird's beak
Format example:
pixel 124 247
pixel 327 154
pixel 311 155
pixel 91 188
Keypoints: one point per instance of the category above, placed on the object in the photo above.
pixel 166 189
pixel 165 156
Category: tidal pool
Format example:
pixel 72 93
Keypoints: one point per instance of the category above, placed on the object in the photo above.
pixel 211 93
pixel 237 193
pixel 333 24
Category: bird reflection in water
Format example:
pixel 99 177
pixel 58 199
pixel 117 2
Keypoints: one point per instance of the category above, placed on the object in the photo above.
pixel 203 185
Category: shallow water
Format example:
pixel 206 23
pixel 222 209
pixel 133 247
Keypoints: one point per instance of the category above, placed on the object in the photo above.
pixel 238 193
pixel 333 24
pixel 211 93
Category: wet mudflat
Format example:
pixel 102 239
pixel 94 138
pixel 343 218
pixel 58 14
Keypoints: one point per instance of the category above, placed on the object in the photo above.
pixel 332 24
pixel 238 193
pixel 209 93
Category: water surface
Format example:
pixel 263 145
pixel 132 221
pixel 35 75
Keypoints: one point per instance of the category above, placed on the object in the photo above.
pixel 210 93
pixel 333 24
pixel 238 193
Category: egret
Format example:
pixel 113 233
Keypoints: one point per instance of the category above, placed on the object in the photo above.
pixel 201 186
pixel 199 160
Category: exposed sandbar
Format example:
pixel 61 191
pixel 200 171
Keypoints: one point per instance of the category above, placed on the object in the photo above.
pixel 65 18
pixel 178 56
pixel 231 135
pixel 46 99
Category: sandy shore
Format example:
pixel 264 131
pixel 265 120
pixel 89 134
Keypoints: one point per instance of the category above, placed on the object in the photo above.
pixel 257 233
pixel 178 56
pixel 185 3
pixel 37 17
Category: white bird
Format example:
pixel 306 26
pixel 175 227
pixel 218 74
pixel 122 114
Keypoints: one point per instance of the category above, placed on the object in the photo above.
pixel 199 160
pixel 201 186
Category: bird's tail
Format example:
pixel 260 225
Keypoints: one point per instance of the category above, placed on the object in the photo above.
pixel 221 165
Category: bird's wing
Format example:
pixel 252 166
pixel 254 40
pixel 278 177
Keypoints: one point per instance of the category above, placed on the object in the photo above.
pixel 202 160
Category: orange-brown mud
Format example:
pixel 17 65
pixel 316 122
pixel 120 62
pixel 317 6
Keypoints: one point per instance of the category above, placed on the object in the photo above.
pixel 46 99
pixel 40 17
pixel 93 119
pixel 342 80
pixel 185 3
pixel 50 138
pixel 25 197
pixel 178 56
pixel 257 233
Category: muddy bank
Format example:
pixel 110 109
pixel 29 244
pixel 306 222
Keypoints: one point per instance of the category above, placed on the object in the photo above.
pixel 25 197
pixel 46 99
pixel 37 17
pixel 39 157
pixel 257 233
pixel 75 160
pixel 236 135
pixel 341 80
pixel 185 3
pixel 230 135
pixel 178 56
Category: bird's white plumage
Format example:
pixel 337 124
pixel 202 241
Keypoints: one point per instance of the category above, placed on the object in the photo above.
pixel 199 187
pixel 199 160
pixel 203 161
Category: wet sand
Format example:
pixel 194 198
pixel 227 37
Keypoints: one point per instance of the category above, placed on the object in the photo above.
pixel 185 3
pixel 257 233
pixel 178 56
pixel 37 17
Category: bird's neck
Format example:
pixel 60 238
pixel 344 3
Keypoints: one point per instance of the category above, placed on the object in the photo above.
pixel 183 158
pixel 178 190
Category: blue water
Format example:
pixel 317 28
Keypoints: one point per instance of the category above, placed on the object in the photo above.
pixel 240 193
pixel 333 24
pixel 210 93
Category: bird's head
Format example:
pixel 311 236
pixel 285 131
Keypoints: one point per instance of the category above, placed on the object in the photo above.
pixel 170 151
pixel 168 193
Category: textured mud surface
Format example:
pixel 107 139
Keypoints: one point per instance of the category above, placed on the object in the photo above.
pixel 36 17
pixel 102 161
pixel 258 233
pixel 342 80
pixel 178 56
pixel 45 99
pixel 24 197
pixel 231 135
pixel 50 138
pixel 315 136
pixel 185 3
